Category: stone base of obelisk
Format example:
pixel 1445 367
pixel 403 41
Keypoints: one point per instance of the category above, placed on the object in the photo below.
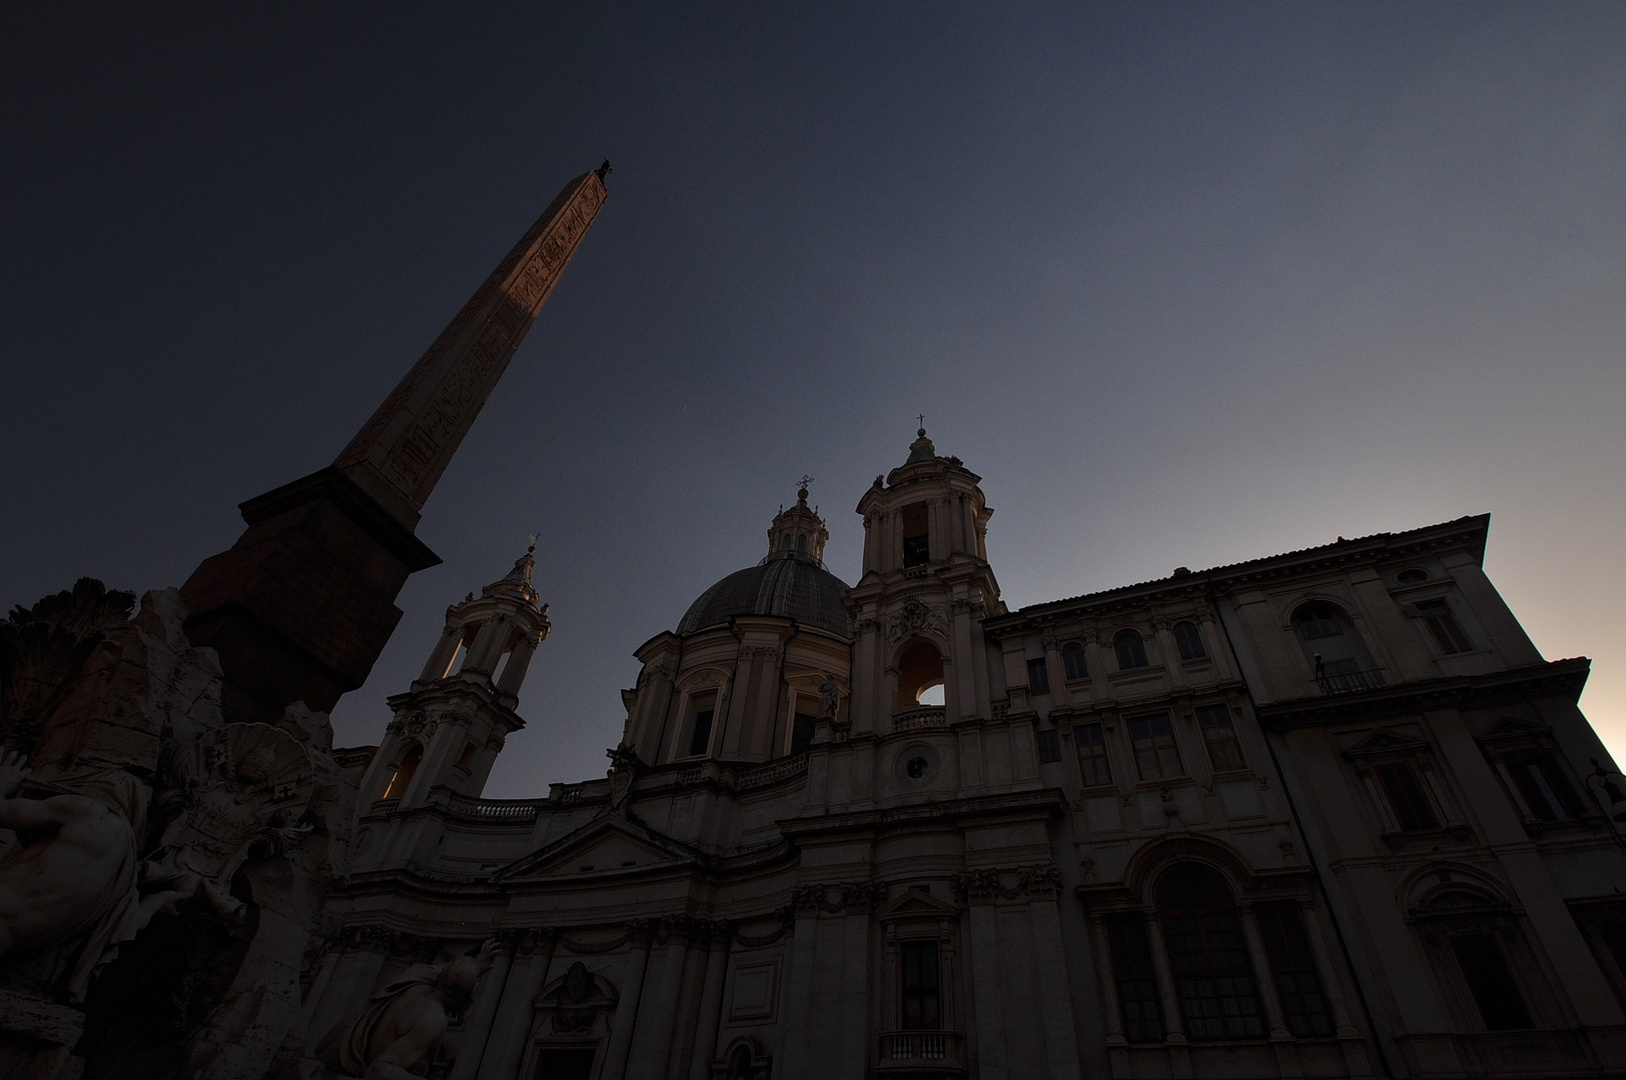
pixel 37 1038
pixel 301 606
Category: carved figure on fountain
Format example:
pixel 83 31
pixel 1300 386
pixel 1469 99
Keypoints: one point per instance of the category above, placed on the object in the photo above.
pixel 236 787
pixel 68 887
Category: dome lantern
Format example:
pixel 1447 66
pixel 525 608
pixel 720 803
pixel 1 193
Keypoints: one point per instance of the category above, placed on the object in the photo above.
pixel 798 532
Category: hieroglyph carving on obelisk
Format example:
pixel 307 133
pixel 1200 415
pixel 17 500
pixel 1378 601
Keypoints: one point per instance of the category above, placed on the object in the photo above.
pixel 400 453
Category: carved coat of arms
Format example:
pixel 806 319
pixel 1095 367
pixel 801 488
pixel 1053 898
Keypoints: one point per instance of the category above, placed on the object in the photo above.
pixel 914 617
pixel 237 786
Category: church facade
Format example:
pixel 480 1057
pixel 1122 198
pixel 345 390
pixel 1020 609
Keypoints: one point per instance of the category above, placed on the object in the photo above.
pixel 1320 814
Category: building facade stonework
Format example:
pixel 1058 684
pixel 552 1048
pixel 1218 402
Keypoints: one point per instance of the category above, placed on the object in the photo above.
pixel 1323 814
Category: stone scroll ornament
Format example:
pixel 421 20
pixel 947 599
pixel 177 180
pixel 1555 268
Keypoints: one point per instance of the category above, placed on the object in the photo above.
pixel 237 788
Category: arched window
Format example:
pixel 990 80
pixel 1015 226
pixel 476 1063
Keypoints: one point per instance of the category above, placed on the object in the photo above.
pixel 1072 659
pixel 1130 648
pixel 1332 644
pixel 1479 938
pixel 1213 978
pixel 404 772
pixel 1319 619
pixel 1189 640
pixel 739 1064
pixel 920 668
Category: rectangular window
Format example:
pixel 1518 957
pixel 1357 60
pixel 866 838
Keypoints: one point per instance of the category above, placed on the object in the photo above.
pixel 1072 658
pixel 1156 756
pixel 1297 984
pixel 1545 791
pixel 1500 1004
pixel 700 737
pixel 1443 626
pixel 920 998
pixel 1038 677
pixel 1137 983
pixel 1404 790
pixel 1224 751
pixel 1189 640
pixel 1093 767
pixel 1049 746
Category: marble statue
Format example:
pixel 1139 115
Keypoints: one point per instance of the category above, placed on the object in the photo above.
pixel 829 698
pixel 68 894
pixel 395 1036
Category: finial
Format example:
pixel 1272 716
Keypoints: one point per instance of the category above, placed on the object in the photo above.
pixel 801 493
pixel 603 170
pixel 531 540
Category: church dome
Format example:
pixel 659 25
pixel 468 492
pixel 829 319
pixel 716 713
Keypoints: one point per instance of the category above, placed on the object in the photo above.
pixel 784 585
pixel 791 582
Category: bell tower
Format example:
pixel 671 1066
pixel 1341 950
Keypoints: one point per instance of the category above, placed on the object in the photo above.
pixel 925 590
pixel 451 724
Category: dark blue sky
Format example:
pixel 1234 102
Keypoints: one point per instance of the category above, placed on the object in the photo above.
pixel 1186 284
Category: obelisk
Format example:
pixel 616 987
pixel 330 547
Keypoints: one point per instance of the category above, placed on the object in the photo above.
pixel 301 606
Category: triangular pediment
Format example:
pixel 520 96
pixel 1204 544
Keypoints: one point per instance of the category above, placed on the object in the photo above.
pixel 913 903
pixel 1511 727
pixel 1387 742
pixel 606 844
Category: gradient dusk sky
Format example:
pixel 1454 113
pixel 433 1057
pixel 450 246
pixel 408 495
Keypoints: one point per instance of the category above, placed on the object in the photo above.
pixel 1186 284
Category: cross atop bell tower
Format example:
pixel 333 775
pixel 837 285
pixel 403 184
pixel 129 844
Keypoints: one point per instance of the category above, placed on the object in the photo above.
pixel 302 605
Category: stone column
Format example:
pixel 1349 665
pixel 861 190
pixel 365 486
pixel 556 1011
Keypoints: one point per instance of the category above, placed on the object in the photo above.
pixel 711 1003
pixel 1262 975
pixel 626 1009
pixel 1355 1059
pixel 1174 1028
pixel 1171 653
pixel 656 1011
pixel 1056 997
pixel 1094 662
pixel 986 991
pixel 688 1004
pixel 515 1013
pixel 477 1029
pixel 799 990
pixel 441 657
pixel 1117 1041
pixel 519 662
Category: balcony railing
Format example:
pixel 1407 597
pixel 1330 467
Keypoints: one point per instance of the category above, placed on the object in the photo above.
pixel 915 1049
pixel 927 716
pixel 1347 682
pixel 496 811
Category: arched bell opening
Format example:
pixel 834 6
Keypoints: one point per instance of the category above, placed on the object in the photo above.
pixel 920 672
pixel 405 769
